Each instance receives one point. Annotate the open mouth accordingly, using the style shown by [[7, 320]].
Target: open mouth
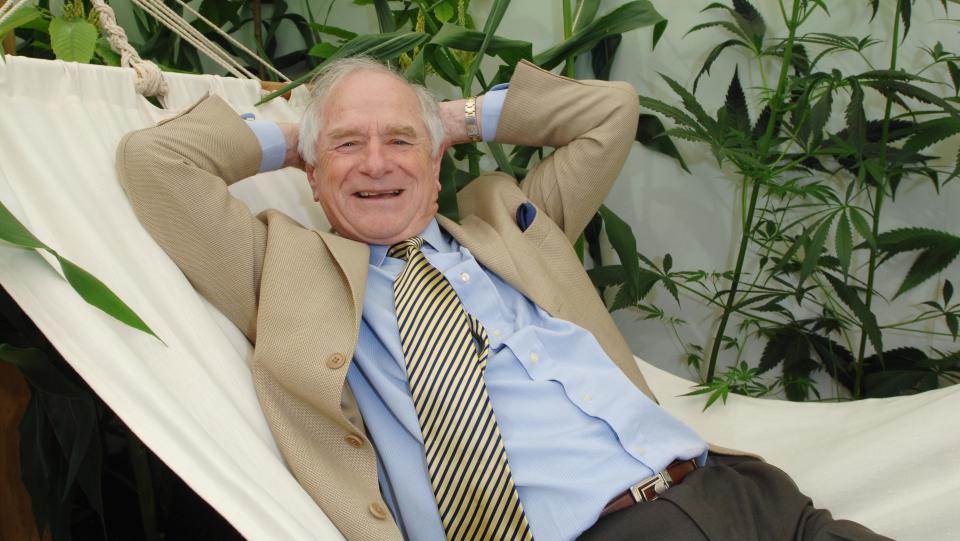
[[382, 194]]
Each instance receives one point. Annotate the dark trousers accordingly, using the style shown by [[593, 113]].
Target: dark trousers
[[731, 499]]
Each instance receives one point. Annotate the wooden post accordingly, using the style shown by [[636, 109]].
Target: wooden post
[[16, 518]]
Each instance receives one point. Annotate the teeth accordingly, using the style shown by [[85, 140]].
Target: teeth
[[371, 194]]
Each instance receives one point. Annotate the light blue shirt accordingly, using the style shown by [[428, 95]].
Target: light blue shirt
[[577, 432]]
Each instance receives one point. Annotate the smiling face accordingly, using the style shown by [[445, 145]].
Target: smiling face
[[374, 174]]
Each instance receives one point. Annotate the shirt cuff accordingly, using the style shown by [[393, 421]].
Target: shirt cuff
[[490, 114], [273, 146]]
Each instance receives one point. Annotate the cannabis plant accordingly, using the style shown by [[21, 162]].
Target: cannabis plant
[[810, 242]]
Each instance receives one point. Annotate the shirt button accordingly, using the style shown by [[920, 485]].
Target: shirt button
[[336, 361], [496, 332], [464, 277], [587, 397], [377, 510], [534, 357], [354, 441]]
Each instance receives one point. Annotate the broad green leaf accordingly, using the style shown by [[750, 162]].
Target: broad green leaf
[[14, 232], [74, 40], [19, 18], [384, 16], [868, 320], [99, 295], [444, 12], [457, 37], [490, 26], [323, 50], [625, 18], [606, 276], [601, 56], [106, 54], [844, 243], [947, 292], [335, 31], [625, 244], [378, 46], [584, 14]]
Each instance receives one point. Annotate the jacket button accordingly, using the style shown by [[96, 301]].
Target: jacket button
[[335, 361], [354, 441], [377, 510]]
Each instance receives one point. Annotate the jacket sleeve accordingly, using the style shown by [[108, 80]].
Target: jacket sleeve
[[176, 176], [591, 124]]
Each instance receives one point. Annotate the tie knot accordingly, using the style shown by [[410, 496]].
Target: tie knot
[[402, 249]]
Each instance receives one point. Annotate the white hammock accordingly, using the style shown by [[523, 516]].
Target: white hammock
[[892, 464]]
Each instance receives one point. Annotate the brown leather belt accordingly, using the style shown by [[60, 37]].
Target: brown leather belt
[[650, 488]]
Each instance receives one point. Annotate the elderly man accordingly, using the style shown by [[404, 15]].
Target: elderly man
[[430, 379]]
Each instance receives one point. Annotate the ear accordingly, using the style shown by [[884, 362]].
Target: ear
[[313, 180], [437, 161]]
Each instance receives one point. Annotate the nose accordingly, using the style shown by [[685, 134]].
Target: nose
[[375, 162]]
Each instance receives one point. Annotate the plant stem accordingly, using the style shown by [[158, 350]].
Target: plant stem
[[878, 204], [775, 106], [257, 11]]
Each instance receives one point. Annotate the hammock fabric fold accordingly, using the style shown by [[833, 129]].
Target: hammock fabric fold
[[892, 464]]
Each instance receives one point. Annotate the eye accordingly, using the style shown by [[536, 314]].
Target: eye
[[400, 142], [347, 144]]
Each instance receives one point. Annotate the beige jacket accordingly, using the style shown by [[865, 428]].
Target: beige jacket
[[298, 293]]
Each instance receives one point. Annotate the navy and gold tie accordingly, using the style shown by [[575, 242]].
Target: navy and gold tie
[[446, 350]]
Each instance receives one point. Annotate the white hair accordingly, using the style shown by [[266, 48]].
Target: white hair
[[327, 79]]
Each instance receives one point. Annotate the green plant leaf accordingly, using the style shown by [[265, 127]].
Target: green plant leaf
[[954, 76], [928, 133], [651, 134], [457, 37], [490, 26], [868, 320], [625, 18], [735, 106], [20, 17], [860, 223], [14, 232], [323, 50], [448, 188], [749, 19], [820, 114], [106, 54], [92, 290], [813, 250], [844, 243], [74, 40], [939, 249], [856, 118], [501, 158], [625, 244], [947, 292], [712, 57], [584, 14], [951, 320], [378, 46], [602, 54], [384, 16], [444, 12]]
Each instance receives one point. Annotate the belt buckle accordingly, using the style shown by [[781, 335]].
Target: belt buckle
[[642, 492]]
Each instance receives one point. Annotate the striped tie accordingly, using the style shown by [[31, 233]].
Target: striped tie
[[446, 352]]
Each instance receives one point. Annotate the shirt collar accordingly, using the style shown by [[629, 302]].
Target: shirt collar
[[432, 236]]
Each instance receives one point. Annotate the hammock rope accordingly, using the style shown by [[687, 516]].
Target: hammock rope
[[150, 81]]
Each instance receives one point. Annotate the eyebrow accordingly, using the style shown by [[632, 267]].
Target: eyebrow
[[406, 131]]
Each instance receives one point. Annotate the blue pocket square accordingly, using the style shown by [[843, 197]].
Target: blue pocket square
[[525, 215]]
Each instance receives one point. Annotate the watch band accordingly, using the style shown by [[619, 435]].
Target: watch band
[[470, 118]]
